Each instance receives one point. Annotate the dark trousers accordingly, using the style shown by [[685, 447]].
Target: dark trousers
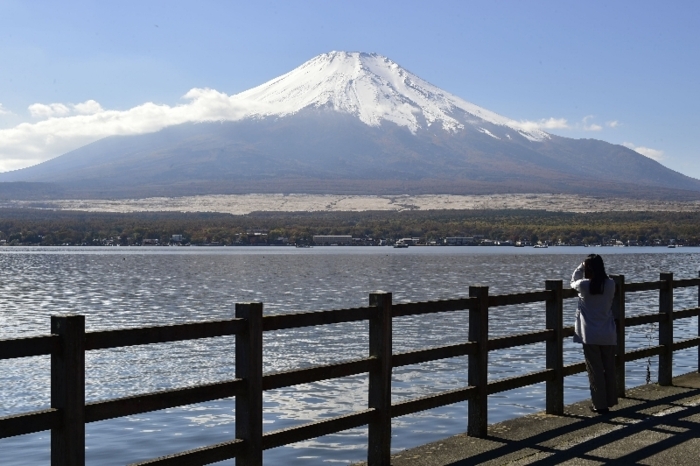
[[600, 364]]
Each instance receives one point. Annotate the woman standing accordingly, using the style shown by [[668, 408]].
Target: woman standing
[[595, 328]]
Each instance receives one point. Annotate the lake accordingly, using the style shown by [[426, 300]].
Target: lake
[[128, 287]]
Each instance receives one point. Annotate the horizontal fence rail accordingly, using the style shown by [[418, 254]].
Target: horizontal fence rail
[[28, 423], [128, 406], [25, 347], [311, 319], [161, 334], [431, 307], [68, 342]]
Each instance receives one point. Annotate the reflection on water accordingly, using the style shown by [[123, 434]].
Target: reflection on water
[[129, 287]]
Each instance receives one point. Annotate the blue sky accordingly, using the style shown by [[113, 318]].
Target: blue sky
[[624, 72]]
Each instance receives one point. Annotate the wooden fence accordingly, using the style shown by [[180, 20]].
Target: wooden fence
[[68, 342]]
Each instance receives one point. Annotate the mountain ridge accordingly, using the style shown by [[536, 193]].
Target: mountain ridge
[[359, 123]]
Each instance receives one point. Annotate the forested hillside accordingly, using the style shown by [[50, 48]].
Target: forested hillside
[[44, 227]]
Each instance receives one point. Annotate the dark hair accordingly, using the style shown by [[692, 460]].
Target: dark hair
[[596, 270]]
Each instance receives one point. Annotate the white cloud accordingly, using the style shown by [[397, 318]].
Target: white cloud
[[67, 127], [586, 124], [48, 111], [555, 123], [653, 154], [590, 126], [4, 111], [89, 107], [550, 123]]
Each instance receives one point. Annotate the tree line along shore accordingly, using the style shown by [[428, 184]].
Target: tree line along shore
[[34, 227]]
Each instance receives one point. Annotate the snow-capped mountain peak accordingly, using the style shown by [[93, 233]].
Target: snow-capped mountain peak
[[374, 89]]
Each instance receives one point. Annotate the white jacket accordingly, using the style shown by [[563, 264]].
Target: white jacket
[[595, 324]]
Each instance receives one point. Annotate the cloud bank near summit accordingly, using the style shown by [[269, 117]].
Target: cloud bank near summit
[[64, 127]]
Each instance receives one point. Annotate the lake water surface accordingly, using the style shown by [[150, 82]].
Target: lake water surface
[[131, 287]]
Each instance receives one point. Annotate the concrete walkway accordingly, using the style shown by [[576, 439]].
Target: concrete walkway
[[653, 425]]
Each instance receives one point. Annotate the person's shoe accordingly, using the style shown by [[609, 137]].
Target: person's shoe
[[599, 411]]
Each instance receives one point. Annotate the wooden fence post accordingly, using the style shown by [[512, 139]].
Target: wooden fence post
[[619, 309], [68, 391], [555, 347], [666, 330], [478, 362], [249, 405], [379, 399]]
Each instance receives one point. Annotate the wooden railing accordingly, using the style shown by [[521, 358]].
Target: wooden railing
[[68, 343]]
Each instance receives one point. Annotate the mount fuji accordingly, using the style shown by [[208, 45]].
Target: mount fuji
[[350, 123]]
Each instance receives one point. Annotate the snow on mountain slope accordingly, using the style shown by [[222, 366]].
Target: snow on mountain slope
[[372, 88]]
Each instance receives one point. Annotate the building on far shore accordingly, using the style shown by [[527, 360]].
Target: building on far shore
[[460, 241], [332, 240], [409, 241]]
